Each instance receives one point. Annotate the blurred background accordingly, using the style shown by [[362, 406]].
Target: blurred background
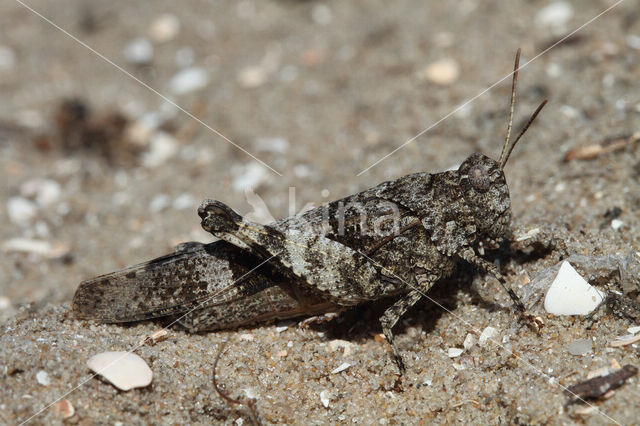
[[99, 170]]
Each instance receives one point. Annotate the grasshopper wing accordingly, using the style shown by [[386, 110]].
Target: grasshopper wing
[[172, 284]]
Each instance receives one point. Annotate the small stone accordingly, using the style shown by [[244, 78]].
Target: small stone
[[250, 175], [617, 224], [21, 211], [7, 59], [5, 303], [454, 352], [555, 15], [321, 14], [155, 337], [37, 247], [634, 330], [633, 41], [442, 72], [570, 294], [337, 343], [162, 147], [159, 203], [488, 335], [45, 191], [124, 370], [324, 398], [189, 80], [252, 77], [139, 51], [65, 409], [247, 337], [469, 341], [281, 329], [283, 353], [164, 28], [580, 347], [184, 201], [277, 145], [341, 368], [43, 378]]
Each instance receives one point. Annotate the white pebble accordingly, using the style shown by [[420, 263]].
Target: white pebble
[[43, 378], [252, 77], [189, 80], [321, 14], [20, 210], [324, 398], [555, 15], [616, 224], [281, 328], [139, 51], [162, 147], [184, 201], [337, 343], [633, 330], [469, 341], [26, 245], [570, 294], [5, 303], [49, 193], [124, 370], [247, 337], [164, 28], [633, 41], [278, 145], [341, 368], [159, 203], [442, 72], [250, 175], [487, 336], [7, 59], [454, 352]]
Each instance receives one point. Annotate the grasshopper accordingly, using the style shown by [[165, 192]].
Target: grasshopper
[[396, 239]]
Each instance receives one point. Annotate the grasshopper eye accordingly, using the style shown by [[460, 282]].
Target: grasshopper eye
[[479, 178]]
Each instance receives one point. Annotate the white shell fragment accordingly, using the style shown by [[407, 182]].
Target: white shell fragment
[[469, 341], [454, 352], [570, 294], [487, 336], [341, 368], [124, 370], [324, 398], [43, 378]]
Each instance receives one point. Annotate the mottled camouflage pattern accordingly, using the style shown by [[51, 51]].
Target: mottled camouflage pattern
[[396, 239]]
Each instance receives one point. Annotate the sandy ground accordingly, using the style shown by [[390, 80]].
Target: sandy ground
[[319, 91]]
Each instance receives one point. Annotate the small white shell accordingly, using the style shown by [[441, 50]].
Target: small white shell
[[124, 370]]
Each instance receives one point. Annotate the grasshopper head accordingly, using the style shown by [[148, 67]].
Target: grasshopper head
[[485, 187], [218, 218], [487, 195]]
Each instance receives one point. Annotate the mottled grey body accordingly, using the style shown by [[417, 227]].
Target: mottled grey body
[[396, 239]]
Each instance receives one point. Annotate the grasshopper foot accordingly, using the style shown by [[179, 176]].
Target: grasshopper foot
[[391, 317]]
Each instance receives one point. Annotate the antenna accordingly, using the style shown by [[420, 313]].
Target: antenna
[[516, 67], [507, 149], [524, 129]]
